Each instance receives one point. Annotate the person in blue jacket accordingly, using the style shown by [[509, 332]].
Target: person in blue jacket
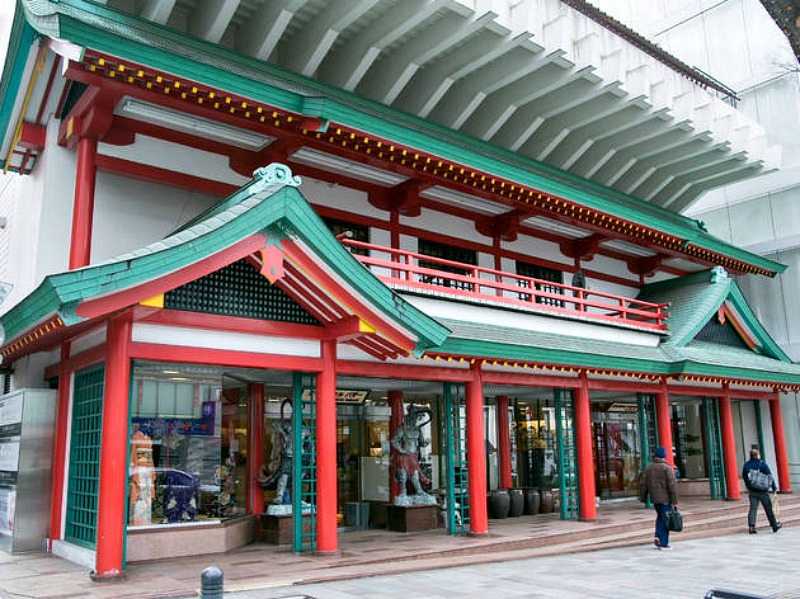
[[757, 495]]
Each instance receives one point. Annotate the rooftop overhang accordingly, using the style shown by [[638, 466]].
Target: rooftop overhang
[[146, 75]]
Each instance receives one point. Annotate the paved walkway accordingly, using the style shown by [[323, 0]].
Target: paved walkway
[[763, 565], [266, 571]]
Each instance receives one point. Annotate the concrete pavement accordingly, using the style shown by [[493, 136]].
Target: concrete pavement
[[519, 557], [765, 565]]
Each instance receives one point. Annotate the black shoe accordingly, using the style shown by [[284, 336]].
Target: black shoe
[[777, 527], [752, 530]]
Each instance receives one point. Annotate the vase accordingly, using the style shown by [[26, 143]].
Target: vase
[[546, 504], [532, 500], [499, 504], [516, 503]]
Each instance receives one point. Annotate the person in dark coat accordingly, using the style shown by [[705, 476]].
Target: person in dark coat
[[757, 495], [658, 481]]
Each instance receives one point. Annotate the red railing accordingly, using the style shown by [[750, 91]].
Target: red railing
[[407, 271]]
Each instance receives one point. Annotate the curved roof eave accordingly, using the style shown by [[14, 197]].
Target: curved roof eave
[[106, 30], [248, 213], [670, 364]]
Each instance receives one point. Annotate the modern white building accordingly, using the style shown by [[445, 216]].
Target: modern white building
[[738, 43]]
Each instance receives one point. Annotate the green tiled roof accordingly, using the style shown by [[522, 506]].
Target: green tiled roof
[[94, 26], [259, 205], [694, 300]]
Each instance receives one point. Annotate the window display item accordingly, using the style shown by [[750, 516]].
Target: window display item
[[406, 444], [141, 481]]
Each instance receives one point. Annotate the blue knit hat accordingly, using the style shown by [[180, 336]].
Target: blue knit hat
[[661, 452]]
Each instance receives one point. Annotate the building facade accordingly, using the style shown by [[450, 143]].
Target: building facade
[[757, 59], [261, 255]]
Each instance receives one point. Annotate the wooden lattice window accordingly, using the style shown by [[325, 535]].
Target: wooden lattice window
[[534, 271], [356, 233], [446, 252]]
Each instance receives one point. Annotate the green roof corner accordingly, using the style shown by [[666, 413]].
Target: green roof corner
[[695, 299]]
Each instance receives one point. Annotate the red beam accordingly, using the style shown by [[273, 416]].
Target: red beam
[[222, 357], [153, 174], [235, 324]]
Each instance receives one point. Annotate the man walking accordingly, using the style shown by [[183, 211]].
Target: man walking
[[759, 493], [658, 481]]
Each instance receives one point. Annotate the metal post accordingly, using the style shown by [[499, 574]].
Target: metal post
[[211, 583]]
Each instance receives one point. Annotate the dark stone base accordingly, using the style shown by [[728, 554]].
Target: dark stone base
[[278, 530], [412, 518]]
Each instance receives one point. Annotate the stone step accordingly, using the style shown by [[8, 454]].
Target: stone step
[[728, 517]]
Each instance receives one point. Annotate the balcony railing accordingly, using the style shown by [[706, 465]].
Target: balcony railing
[[407, 271]]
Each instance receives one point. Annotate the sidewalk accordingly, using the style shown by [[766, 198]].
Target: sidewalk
[[375, 552]]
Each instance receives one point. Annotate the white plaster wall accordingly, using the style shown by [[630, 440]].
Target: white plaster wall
[[130, 214]]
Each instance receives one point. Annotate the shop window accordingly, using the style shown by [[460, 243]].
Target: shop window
[[187, 446], [535, 437], [356, 233], [452, 254], [688, 437], [534, 271], [616, 447]]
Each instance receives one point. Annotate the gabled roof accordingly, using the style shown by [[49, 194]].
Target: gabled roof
[[695, 299], [90, 25], [267, 219]]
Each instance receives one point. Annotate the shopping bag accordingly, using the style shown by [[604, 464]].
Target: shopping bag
[[776, 506], [673, 520], [760, 481]]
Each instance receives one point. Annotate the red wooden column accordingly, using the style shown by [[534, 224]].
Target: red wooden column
[[503, 442], [255, 448], [111, 512], [60, 446], [583, 445], [476, 454], [664, 424], [781, 461], [83, 203], [326, 450], [395, 420], [728, 444]]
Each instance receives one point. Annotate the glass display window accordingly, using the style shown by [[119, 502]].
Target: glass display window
[[535, 439], [187, 446], [688, 437], [616, 447]]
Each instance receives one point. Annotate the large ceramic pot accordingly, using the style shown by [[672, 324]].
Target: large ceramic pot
[[532, 500], [516, 503], [499, 504], [547, 503]]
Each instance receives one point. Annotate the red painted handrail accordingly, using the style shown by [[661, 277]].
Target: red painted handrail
[[403, 270]]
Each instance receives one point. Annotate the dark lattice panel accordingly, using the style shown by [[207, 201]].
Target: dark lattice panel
[[238, 290], [721, 334], [446, 252], [356, 233], [84, 457], [544, 274]]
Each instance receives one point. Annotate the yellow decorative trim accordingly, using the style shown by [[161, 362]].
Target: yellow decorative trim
[[154, 302]]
